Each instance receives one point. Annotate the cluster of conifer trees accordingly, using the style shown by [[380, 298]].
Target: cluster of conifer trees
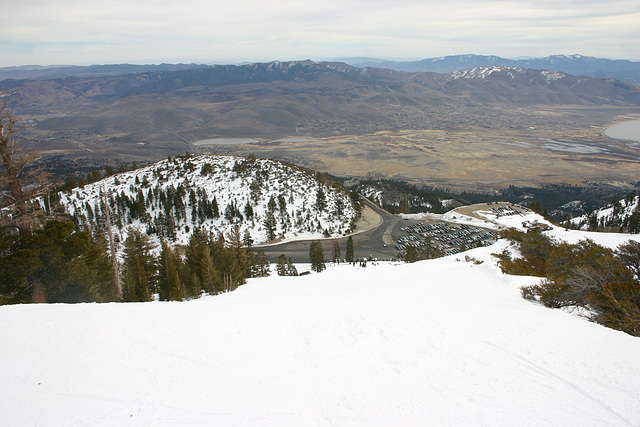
[[61, 264], [163, 208]]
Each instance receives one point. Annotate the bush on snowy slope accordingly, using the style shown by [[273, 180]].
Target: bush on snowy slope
[[600, 281], [170, 199]]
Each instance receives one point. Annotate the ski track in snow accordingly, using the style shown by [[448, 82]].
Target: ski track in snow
[[564, 381]]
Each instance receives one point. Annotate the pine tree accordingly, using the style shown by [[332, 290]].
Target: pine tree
[[404, 206], [316, 256], [247, 240], [321, 201], [261, 265], [23, 187], [335, 251], [349, 253], [248, 211], [271, 205], [215, 212], [270, 225], [169, 284], [281, 266], [291, 269], [139, 267], [208, 277], [67, 265], [200, 265], [285, 266]]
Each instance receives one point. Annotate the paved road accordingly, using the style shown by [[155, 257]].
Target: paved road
[[378, 243]]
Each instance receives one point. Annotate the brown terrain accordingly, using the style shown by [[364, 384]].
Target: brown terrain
[[473, 132]]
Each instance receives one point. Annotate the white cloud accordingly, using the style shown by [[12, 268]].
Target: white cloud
[[98, 31]]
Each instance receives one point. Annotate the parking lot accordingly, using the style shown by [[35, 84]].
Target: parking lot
[[446, 237]]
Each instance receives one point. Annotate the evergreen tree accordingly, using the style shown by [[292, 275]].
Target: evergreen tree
[[248, 211], [271, 205], [208, 277], [282, 204], [199, 262], [291, 269], [66, 265], [349, 252], [270, 225], [321, 200], [169, 284], [281, 266], [316, 256], [247, 240], [285, 266], [140, 268], [335, 251], [215, 212], [261, 265], [404, 206]]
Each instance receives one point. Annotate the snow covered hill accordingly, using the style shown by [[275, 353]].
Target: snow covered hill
[[268, 199], [441, 342], [624, 213]]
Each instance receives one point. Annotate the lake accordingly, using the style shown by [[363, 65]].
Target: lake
[[626, 130]]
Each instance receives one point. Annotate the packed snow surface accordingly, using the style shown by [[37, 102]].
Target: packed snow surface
[[440, 343]]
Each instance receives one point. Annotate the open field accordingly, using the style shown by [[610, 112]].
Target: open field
[[558, 145]]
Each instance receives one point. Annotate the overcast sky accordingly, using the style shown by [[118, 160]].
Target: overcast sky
[[86, 32]]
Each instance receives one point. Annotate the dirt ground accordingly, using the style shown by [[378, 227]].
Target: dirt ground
[[570, 148]]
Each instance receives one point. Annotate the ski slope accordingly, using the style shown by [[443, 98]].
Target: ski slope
[[441, 343]]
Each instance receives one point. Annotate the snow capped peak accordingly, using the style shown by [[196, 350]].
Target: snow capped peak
[[483, 72], [553, 75]]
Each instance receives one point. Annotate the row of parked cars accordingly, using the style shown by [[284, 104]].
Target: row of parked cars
[[511, 209], [448, 238]]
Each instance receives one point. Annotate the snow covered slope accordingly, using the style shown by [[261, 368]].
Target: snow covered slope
[[440, 343], [622, 213], [173, 197]]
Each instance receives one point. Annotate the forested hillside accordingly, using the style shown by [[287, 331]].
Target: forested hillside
[[621, 215], [267, 200]]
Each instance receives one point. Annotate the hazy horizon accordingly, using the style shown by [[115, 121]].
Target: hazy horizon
[[157, 31]]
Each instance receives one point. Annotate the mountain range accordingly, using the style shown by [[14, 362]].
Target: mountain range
[[578, 65], [148, 116], [278, 98]]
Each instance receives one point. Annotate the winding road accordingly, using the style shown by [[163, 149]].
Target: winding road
[[376, 242]]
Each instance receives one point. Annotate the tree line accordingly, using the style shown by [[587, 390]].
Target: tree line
[[46, 257], [58, 263]]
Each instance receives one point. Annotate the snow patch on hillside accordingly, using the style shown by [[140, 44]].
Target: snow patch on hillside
[[166, 199], [483, 72]]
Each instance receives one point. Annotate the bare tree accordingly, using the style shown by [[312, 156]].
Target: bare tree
[[22, 187]]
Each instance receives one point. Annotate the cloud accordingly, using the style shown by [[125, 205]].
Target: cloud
[[247, 30]]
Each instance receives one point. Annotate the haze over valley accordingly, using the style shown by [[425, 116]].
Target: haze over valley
[[450, 130]]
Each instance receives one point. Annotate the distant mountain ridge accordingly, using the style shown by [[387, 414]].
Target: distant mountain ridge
[[150, 115], [578, 65], [39, 72]]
